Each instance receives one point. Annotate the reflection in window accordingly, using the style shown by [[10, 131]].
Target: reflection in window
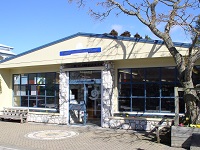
[[152, 74], [124, 89], [167, 90], [152, 89], [32, 78], [36, 90], [17, 90], [124, 75], [168, 74], [148, 89], [138, 75], [152, 104], [24, 78], [167, 105], [124, 104], [16, 79], [85, 74]]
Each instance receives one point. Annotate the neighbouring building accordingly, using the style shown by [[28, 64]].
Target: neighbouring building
[[110, 80], [5, 51]]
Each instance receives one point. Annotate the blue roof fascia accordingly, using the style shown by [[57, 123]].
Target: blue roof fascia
[[176, 44], [105, 36]]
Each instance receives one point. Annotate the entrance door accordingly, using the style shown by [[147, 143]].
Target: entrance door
[[88, 92]]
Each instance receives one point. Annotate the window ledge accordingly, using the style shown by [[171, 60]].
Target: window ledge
[[139, 118], [44, 113]]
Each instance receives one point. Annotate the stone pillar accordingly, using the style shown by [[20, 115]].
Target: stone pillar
[[64, 96], [107, 93]]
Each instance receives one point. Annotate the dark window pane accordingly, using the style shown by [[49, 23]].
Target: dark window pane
[[152, 90], [50, 78], [57, 90], [168, 74], [137, 89], [74, 75], [51, 103], [32, 78], [167, 105], [125, 90], [57, 78], [50, 90], [124, 104], [57, 102], [152, 104], [86, 74], [181, 105], [32, 101], [41, 89], [24, 101], [180, 94], [94, 74], [152, 74], [167, 90], [196, 75], [124, 75], [41, 102], [138, 75], [138, 104]]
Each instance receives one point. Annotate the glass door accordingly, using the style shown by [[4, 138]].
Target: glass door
[[87, 92]]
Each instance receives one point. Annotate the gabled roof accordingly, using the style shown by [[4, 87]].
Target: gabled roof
[[104, 36]]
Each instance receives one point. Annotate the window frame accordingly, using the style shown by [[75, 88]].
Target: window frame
[[34, 95], [145, 82]]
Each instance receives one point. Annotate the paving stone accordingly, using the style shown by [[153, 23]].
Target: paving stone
[[13, 136]]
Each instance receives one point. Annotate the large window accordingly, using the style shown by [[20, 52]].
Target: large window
[[36, 90], [148, 90]]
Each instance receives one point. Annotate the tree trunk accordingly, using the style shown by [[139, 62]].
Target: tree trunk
[[191, 100]]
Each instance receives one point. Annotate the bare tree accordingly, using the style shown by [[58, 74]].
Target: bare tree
[[197, 28], [173, 13]]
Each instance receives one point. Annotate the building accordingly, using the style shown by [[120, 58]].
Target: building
[[5, 51], [101, 75]]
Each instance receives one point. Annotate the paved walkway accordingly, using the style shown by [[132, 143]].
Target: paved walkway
[[32, 136]]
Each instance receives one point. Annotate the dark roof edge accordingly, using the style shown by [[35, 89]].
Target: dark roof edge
[[176, 44]]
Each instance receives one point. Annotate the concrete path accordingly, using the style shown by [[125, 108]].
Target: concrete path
[[32, 136]]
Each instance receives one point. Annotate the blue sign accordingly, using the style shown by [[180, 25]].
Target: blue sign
[[89, 50]]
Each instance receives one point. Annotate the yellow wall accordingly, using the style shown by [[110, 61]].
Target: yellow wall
[[111, 50], [6, 92], [6, 99]]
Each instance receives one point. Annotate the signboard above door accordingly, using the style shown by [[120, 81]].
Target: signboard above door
[[78, 51]]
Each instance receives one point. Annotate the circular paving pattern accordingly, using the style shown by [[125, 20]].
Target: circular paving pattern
[[51, 134]]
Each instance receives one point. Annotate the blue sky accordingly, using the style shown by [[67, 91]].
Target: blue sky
[[27, 24]]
